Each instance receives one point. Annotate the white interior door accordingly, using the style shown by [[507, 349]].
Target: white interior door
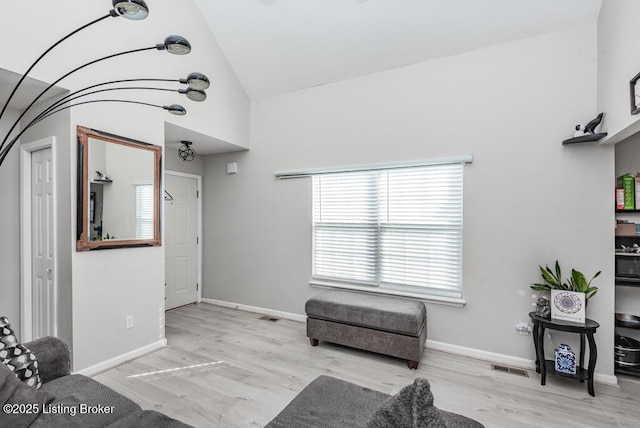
[[43, 291], [181, 240]]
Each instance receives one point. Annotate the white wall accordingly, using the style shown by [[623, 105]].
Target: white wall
[[528, 200], [10, 230], [108, 285], [618, 42]]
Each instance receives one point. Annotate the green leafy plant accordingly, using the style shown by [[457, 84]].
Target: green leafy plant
[[552, 280], [578, 282]]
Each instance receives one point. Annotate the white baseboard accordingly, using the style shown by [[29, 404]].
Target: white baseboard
[[603, 378], [121, 359], [481, 355], [257, 310], [507, 360]]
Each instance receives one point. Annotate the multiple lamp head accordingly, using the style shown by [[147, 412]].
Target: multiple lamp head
[[129, 9]]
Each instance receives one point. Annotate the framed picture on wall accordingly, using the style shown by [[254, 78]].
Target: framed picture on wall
[[634, 90]]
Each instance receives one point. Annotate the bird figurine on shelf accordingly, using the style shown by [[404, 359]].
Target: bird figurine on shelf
[[589, 128], [102, 177]]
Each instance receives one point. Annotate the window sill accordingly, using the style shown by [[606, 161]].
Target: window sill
[[449, 301]]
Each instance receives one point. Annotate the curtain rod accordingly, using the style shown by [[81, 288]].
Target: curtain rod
[[284, 174]]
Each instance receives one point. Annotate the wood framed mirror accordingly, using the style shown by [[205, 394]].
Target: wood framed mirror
[[118, 191]]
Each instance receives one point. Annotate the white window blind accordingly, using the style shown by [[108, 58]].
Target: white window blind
[[399, 228], [144, 211]]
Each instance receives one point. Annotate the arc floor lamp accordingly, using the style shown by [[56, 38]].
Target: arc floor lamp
[[129, 9]]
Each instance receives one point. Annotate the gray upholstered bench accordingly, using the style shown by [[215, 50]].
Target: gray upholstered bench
[[387, 325]]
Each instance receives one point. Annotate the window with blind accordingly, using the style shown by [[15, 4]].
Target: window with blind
[[144, 211], [395, 228]]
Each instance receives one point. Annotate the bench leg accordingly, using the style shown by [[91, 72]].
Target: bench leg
[[412, 364], [314, 342]]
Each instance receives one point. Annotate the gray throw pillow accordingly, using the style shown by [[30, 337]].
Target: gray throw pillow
[[412, 407], [20, 404], [18, 357]]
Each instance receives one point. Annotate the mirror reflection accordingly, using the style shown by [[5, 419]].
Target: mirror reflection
[[120, 182]]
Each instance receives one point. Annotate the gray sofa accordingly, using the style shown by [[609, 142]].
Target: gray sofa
[[73, 400], [328, 402]]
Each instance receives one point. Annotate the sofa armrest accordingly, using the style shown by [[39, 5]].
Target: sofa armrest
[[53, 357]]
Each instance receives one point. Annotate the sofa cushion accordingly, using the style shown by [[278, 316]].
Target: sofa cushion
[[329, 403], [83, 402], [53, 357], [392, 314], [18, 357], [27, 402], [333, 403]]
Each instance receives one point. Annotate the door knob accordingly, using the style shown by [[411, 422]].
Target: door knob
[[49, 270]]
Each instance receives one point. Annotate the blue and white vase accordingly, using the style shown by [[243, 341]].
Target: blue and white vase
[[565, 360]]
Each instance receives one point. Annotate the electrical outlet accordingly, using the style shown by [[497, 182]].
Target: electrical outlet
[[128, 322], [524, 327]]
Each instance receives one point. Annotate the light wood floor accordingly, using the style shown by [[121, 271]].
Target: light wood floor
[[228, 368]]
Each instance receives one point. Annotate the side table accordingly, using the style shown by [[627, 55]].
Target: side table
[[587, 329]]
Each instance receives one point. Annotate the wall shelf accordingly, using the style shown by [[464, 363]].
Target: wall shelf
[[585, 138]]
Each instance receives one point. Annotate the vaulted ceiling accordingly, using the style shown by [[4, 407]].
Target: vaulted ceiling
[[277, 46]]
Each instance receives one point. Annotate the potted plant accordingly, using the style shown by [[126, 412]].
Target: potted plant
[[577, 282], [569, 297]]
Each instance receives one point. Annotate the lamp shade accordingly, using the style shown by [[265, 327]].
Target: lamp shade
[[176, 109], [198, 80], [131, 9], [194, 94], [177, 45]]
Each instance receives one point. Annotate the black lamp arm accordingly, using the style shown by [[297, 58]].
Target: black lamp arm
[[4, 151], [67, 99], [58, 80], [69, 96], [24, 76]]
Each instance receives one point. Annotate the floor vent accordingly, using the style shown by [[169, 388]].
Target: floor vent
[[509, 370], [268, 318]]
